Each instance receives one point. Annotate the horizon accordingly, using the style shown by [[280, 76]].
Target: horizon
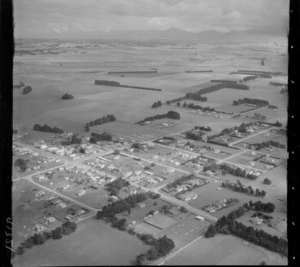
[[52, 18]]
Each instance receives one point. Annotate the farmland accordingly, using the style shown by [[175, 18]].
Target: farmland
[[76, 181], [225, 250]]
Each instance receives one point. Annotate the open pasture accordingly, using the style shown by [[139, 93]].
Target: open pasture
[[93, 243], [265, 137], [225, 250]]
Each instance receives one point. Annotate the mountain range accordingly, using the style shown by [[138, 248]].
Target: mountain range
[[210, 36]]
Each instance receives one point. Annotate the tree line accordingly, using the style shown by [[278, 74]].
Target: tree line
[[47, 129], [194, 135], [169, 115], [259, 146], [66, 228], [160, 248], [229, 225], [97, 137], [157, 104], [236, 171], [239, 187], [102, 120], [121, 205], [253, 101]]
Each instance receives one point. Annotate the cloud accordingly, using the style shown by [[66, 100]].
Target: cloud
[[50, 16]]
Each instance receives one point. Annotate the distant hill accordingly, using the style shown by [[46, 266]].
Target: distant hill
[[210, 36]]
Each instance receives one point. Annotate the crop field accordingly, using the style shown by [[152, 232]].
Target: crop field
[[93, 243], [225, 250]]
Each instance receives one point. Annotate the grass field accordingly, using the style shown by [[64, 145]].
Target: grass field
[[93, 243], [225, 250]]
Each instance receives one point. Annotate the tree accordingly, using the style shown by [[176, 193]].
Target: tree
[[211, 231], [178, 104], [87, 127], [140, 259], [22, 164], [263, 263], [267, 181], [27, 89], [183, 209], [38, 239], [165, 208], [57, 233], [82, 150], [20, 250]]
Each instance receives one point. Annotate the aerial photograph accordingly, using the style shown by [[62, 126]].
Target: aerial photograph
[[150, 132]]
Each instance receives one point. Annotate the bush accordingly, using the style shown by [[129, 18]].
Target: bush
[[267, 181], [27, 89], [47, 129], [67, 96]]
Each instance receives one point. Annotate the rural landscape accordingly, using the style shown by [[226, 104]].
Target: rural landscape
[[150, 147]]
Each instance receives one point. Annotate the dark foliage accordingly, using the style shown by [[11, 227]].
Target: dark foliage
[[170, 115], [67, 96], [27, 89], [47, 129], [102, 120]]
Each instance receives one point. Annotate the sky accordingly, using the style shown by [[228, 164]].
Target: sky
[[47, 17]]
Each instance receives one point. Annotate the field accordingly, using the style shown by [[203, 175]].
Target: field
[[209, 194], [93, 243], [73, 69], [160, 221], [225, 250], [185, 230]]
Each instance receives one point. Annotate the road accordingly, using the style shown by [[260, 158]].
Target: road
[[29, 178], [242, 139], [150, 161]]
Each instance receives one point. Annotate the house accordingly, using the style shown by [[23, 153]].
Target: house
[[174, 211], [187, 196], [141, 205]]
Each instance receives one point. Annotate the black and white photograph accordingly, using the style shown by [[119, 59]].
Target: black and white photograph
[[150, 132]]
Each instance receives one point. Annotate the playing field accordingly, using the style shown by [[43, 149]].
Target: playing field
[[225, 250], [93, 243]]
